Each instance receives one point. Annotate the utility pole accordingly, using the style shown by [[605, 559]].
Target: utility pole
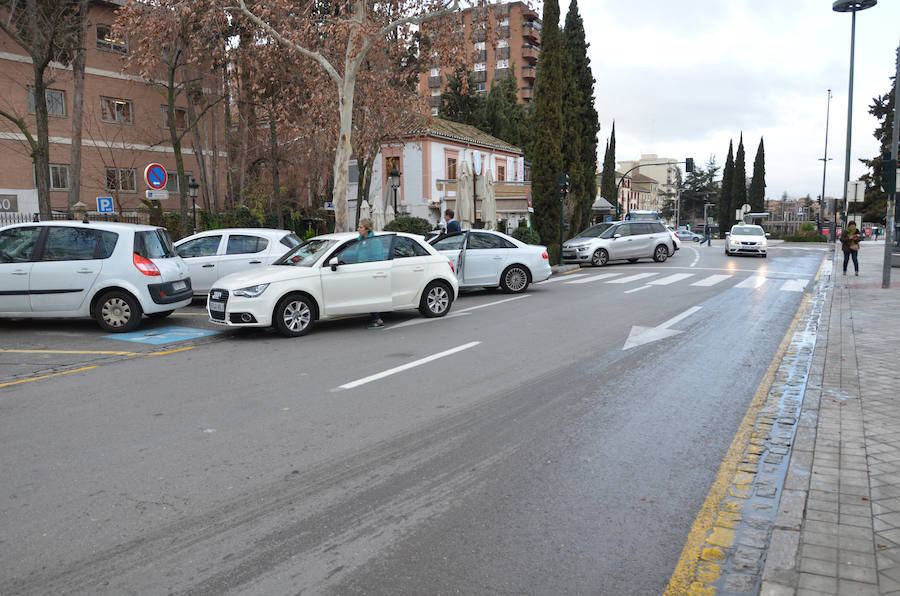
[[824, 161], [891, 192]]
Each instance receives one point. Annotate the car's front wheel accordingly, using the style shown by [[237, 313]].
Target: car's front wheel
[[294, 315], [436, 300], [600, 257], [514, 279], [118, 311], [660, 253]]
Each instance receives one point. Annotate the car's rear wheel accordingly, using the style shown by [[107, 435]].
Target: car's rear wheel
[[660, 253], [514, 279], [294, 315], [160, 315], [600, 257], [436, 300], [695, 239], [118, 311]]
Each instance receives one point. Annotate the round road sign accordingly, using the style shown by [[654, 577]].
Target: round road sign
[[155, 176]]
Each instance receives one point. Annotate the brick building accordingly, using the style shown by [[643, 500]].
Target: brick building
[[124, 129], [518, 32]]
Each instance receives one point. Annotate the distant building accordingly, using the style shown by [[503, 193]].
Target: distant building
[[662, 170], [124, 128], [518, 29]]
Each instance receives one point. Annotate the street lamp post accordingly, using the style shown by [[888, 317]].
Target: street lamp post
[[824, 161], [193, 190], [851, 6], [394, 179]]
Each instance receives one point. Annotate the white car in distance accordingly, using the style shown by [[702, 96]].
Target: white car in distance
[[215, 253], [745, 239], [336, 275], [488, 259]]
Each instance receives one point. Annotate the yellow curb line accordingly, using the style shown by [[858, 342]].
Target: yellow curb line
[[821, 269], [573, 271], [686, 569], [98, 353], [65, 372]]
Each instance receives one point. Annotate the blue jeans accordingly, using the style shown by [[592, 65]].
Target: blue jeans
[[847, 256], [707, 240]]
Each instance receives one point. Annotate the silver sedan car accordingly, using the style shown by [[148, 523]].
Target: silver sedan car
[[621, 240]]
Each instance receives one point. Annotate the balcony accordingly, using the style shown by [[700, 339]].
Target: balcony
[[502, 53], [479, 56], [531, 32], [479, 36], [434, 101], [503, 32], [434, 82], [530, 53], [526, 93], [500, 73], [528, 73], [480, 76]]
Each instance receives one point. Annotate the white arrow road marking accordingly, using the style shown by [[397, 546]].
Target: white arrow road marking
[[407, 366], [631, 278], [561, 278], [594, 278], [794, 285], [711, 280], [645, 335], [752, 282], [670, 279]]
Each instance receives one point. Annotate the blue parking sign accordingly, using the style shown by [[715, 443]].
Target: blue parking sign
[[105, 205]]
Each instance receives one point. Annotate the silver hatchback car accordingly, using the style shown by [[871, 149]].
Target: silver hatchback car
[[621, 240]]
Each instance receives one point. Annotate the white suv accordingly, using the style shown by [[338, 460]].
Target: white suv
[[111, 272]]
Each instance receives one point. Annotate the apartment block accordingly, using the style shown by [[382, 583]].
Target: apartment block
[[124, 129], [517, 30]]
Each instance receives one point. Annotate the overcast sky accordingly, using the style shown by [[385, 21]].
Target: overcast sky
[[682, 78]]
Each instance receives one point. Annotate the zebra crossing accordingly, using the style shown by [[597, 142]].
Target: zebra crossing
[[645, 280]]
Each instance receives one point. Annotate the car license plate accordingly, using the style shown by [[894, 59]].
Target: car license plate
[[179, 285], [216, 306]]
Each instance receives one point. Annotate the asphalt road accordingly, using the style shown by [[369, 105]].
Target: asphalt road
[[519, 445]]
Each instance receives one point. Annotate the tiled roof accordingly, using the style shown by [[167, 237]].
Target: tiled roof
[[454, 131]]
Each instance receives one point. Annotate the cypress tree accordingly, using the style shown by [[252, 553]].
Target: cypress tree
[[739, 182], [758, 182], [576, 48], [725, 212], [608, 174], [546, 152]]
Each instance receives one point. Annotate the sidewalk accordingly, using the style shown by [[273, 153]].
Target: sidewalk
[[837, 527]]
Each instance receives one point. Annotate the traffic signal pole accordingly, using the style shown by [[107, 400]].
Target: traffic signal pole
[[891, 189]]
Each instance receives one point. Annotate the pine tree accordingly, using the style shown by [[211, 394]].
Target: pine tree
[[503, 116], [546, 151], [725, 212], [739, 181], [874, 208], [757, 195], [608, 174], [584, 183], [461, 105]]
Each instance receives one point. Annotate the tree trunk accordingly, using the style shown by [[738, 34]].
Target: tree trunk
[[215, 158], [273, 156], [344, 151], [171, 95], [78, 103], [40, 153]]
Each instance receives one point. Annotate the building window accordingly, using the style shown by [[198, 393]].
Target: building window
[[180, 117], [59, 177], [172, 180], [116, 110], [480, 88], [56, 101], [121, 179], [451, 168], [107, 42], [501, 173]]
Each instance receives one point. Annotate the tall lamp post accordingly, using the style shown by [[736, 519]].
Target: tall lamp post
[[193, 190], [851, 6], [394, 180], [824, 161]]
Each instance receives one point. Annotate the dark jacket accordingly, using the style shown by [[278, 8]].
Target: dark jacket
[[847, 240], [453, 226]]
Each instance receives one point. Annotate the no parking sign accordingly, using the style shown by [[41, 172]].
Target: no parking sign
[[155, 176]]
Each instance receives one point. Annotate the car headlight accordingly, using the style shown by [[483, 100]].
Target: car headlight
[[252, 291]]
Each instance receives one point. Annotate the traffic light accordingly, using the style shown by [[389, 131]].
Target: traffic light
[[888, 174], [563, 184], [689, 165]]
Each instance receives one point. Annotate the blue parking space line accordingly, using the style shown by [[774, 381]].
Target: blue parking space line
[[163, 335]]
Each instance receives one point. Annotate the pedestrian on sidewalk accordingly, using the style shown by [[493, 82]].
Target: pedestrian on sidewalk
[[707, 236], [367, 253], [850, 246]]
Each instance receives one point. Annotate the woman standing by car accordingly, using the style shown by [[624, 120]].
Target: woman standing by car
[[850, 246]]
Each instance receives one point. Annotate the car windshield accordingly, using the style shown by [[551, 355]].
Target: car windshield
[[594, 231], [747, 232], [307, 253]]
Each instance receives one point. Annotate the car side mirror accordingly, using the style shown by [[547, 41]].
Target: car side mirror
[[617, 236], [727, 234], [333, 263], [768, 235]]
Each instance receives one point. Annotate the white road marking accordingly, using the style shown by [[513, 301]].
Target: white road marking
[[423, 320], [594, 278], [752, 282], [636, 289], [407, 366], [493, 303], [631, 278], [678, 318], [561, 278], [711, 280], [643, 335], [696, 256], [794, 285], [670, 279]]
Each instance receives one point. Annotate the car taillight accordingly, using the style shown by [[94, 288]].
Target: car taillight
[[544, 255], [145, 265]]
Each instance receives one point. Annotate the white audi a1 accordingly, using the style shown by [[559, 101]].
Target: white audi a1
[[336, 275]]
